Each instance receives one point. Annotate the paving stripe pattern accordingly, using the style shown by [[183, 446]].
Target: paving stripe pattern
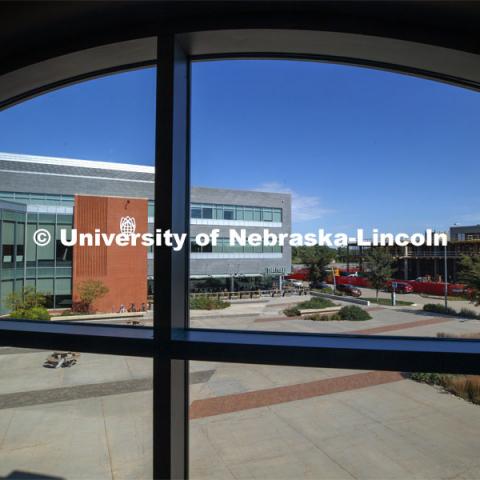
[[263, 398], [223, 404], [400, 326], [65, 394]]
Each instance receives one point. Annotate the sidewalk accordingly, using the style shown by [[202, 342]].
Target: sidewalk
[[246, 308], [234, 310]]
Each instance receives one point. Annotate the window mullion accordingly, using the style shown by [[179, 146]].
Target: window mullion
[[170, 430]]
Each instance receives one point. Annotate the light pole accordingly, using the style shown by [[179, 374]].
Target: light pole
[[445, 283], [334, 281]]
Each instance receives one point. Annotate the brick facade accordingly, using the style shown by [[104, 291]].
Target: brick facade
[[122, 269]]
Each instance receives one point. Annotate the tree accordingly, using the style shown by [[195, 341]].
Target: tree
[[27, 305], [317, 259], [379, 264], [470, 276], [25, 300], [90, 291]]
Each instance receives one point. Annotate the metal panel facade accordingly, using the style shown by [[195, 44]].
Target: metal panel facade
[[55, 177]]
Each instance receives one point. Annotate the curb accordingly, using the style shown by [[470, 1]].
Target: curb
[[357, 301]]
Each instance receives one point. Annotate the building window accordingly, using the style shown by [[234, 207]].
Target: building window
[[20, 254], [151, 209], [8, 241], [228, 214], [63, 253], [46, 254], [223, 246], [7, 256], [248, 214], [236, 212], [207, 212], [267, 215], [196, 212], [195, 247]]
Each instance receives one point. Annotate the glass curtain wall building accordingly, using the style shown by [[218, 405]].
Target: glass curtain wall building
[[48, 203], [23, 264]]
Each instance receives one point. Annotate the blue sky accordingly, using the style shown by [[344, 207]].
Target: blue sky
[[355, 147]]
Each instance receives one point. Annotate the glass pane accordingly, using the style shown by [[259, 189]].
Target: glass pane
[[89, 192], [63, 286], [47, 252], [8, 233], [20, 234], [248, 214], [6, 289], [347, 230], [277, 215], [260, 421], [151, 209], [207, 212], [267, 215], [228, 213], [20, 252], [74, 415], [196, 212]]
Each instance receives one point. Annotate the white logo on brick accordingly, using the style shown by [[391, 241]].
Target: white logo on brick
[[127, 225]]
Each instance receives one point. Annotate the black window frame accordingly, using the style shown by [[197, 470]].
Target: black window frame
[[171, 343]]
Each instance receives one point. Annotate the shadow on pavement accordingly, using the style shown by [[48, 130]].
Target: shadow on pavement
[[21, 475]]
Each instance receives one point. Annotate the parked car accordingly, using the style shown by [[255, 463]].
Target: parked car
[[320, 285], [349, 290], [401, 287], [291, 282]]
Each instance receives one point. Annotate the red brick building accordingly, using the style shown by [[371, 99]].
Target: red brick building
[[122, 269]]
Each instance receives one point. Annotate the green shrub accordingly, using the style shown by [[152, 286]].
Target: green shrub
[[318, 317], [38, 313], [17, 314], [316, 302], [439, 308], [292, 312], [352, 313], [464, 386], [25, 299], [89, 291], [34, 313], [467, 313], [207, 303], [430, 378]]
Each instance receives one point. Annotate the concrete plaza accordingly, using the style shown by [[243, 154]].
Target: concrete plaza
[[93, 420]]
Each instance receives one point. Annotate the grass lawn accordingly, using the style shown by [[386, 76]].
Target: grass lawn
[[207, 303], [450, 298], [314, 302], [388, 301], [351, 312]]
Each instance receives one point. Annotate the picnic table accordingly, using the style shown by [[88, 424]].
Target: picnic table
[[61, 360]]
